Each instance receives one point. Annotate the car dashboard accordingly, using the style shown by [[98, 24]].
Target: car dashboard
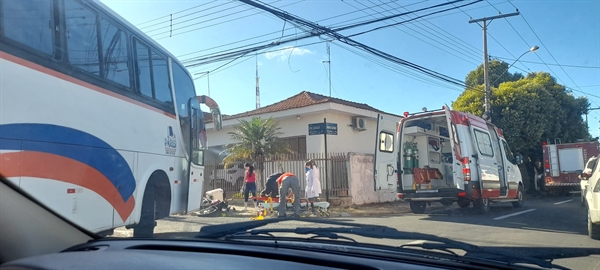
[[197, 254]]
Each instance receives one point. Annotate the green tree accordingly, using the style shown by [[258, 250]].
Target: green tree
[[498, 73], [530, 110], [254, 139]]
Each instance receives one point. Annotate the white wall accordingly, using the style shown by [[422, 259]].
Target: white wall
[[362, 191], [347, 139]]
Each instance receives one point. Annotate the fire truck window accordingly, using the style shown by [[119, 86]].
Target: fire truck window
[[484, 143], [386, 142]]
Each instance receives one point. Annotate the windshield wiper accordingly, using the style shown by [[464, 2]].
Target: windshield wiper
[[370, 231]]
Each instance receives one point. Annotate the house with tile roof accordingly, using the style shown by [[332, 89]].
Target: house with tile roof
[[356, 124], [350, 179]]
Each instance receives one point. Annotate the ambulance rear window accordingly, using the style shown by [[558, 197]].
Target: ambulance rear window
[[484, 143]]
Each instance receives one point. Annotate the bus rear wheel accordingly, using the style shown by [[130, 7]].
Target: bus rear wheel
[[145, 229]]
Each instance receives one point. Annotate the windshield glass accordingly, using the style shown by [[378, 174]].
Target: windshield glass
[[469, 120]]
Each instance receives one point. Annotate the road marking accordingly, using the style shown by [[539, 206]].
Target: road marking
[[514, 214], [563, 201]]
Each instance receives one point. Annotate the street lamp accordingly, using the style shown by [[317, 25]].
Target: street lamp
[[533, 49]]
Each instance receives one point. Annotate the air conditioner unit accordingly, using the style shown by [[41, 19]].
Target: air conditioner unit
[[359, 123]]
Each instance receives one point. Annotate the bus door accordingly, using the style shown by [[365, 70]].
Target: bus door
[[196, 156]]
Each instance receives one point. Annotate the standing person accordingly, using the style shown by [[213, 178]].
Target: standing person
[[313, 186], [250, 184], [286, 181], [539, 176]]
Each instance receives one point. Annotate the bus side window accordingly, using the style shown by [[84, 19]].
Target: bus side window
[[160, 74], [29, 22], [114, 53], [143, 67], [82, 37]]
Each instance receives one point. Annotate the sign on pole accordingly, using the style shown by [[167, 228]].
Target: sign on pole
[[322, 128], [325, 129]]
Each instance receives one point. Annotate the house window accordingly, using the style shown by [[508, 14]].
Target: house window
[[296, 144]]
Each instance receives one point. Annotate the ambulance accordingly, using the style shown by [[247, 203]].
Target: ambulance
[[447, 156]]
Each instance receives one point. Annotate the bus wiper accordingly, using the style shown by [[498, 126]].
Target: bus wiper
[[370, 231]]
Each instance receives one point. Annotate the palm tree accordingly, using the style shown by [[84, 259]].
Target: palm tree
[[255, 140]]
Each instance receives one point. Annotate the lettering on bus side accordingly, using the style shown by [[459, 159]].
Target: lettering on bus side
[[170, 142]]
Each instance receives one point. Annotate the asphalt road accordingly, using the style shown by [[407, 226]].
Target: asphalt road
[[544, 225]]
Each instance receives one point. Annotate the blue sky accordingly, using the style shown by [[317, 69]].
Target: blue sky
[[567, 32]]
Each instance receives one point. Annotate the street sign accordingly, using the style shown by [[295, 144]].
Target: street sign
[[319, 129], [331, 129]]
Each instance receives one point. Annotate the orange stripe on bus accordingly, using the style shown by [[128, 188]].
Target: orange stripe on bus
[[65, 77], [59, 168]]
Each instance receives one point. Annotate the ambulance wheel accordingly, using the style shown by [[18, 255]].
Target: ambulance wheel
[[519, 203], [418, 207], [463, 203], [446, 202], [482, 205]]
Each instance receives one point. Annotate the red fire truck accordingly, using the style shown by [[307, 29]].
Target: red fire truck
[[563, 162]]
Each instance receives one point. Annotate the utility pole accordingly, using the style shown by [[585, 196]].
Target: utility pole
[[486, 80], [587, 125], [329, 63]]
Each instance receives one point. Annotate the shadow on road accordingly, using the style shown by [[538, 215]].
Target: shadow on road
[[564, 218]]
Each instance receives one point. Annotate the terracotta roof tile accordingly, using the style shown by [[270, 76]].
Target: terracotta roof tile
[[303, 99]]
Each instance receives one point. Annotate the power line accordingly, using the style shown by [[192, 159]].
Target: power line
[[421, 16], [319, 21], [532, 62], [170, 20], [545, 47], [275, 32], [201, 22], [502, 46], [551, 55], [399, 29], [315, 31], [453, 38], [393, 68], [167, 16], [320, 30], [234, 19]]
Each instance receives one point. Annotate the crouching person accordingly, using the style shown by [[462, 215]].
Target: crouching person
[[286, 182]]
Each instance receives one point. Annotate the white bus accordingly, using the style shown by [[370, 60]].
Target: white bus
[[97, 121]]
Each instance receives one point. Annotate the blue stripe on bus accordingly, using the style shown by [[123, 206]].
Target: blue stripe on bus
[[73, 144]]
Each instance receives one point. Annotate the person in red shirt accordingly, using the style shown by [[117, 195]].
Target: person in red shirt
[[286, 182], [250, 184]]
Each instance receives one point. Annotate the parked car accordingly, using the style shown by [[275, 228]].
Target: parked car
[[592, 201], [585, 175]]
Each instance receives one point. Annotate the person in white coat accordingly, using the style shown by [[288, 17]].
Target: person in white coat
[[313, 183]]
